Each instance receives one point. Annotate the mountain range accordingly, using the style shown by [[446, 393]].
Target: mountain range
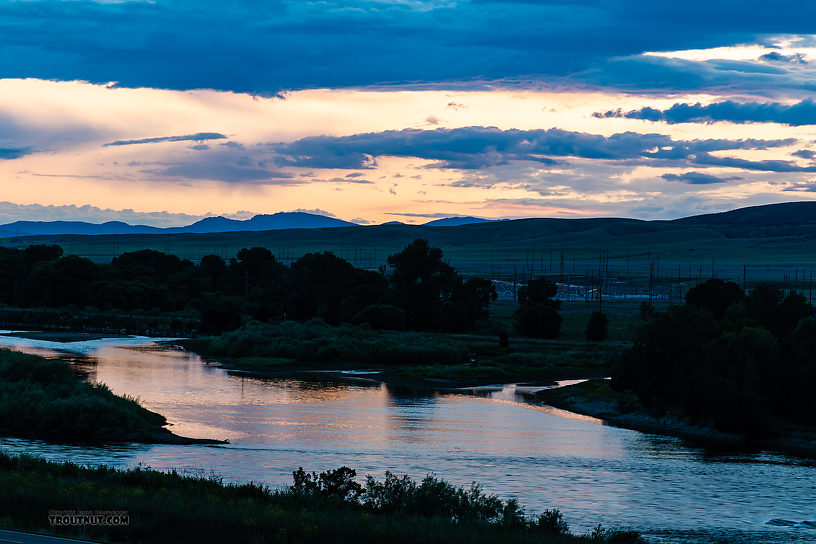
[[790, 214], [276, 221]]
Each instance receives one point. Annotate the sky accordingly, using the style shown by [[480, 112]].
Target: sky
[[166, 111]]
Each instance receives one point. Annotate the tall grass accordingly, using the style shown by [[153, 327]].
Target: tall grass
[[314, 341], [45, 399]]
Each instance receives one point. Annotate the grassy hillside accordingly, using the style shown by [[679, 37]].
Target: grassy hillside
[[773, 241]]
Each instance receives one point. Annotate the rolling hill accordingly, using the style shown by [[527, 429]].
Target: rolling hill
[[771, 241]]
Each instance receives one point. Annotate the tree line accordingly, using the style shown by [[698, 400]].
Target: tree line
[[418, 290], [740, 361]]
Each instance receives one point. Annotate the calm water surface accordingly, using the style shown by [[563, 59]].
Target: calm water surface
[[545, 457]]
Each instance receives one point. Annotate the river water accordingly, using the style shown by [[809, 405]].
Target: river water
[[545, 457]]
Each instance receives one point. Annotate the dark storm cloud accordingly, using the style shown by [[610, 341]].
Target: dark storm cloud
[[197, 137], [706, 159], [264, 47], [227, 173], [478, 147], [697, 178], [775, 56], [799, 114], [802, 187]]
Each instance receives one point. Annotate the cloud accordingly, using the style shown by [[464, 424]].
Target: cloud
[[802, 187], [804, 153], [315, 211], [470, 148], [350, 180], [10, 212], [9, 153], [799, 114], [775, 56], [697, 178], [221, 172], [762, 166], [434, 215], [370, 42], [197, 137]]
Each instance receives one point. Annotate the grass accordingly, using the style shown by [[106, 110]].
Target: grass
[[45, 399], [466, 359], [541, 362], [316, 342], [624, 317], [89, 319], [591, 391], [169, 507]]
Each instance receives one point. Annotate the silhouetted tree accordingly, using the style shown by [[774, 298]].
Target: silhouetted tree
[[421, 281], [597, 327], [715, 295], [537, 315]]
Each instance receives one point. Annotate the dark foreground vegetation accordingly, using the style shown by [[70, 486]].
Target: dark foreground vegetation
[[45, 399], [742, 363], [330, 507]]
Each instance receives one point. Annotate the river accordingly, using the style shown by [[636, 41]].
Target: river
[[547, 458]]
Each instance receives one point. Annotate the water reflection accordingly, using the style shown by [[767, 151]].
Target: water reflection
[[549, 458]]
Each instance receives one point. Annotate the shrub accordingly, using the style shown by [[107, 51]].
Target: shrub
[[551, 521], [381, 316]]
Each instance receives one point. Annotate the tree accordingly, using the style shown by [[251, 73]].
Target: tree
[[537, 315], [421, 281], [598, 327], [715, 295], [381, 316]]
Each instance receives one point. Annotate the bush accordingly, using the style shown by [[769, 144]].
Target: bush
[[315, 341], [381, 316], [551, 521]]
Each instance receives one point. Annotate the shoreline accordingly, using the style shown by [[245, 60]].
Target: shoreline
[[620, 409]]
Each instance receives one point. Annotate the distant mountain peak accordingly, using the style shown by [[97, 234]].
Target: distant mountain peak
[[457, 221]]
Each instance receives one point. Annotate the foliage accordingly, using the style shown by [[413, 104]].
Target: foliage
[[551, 521], [597, 327], [715, 295], [538, 320], [316, 341], [739, 368], [381, 316], [217, 512], [42, 398], [254, 284], [537, 315]]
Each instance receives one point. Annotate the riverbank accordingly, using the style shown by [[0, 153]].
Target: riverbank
[[430, 360], [596, 398], [44, 399], [144, 505]]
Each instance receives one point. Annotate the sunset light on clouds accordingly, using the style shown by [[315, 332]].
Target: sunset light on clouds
[[381, 111]]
